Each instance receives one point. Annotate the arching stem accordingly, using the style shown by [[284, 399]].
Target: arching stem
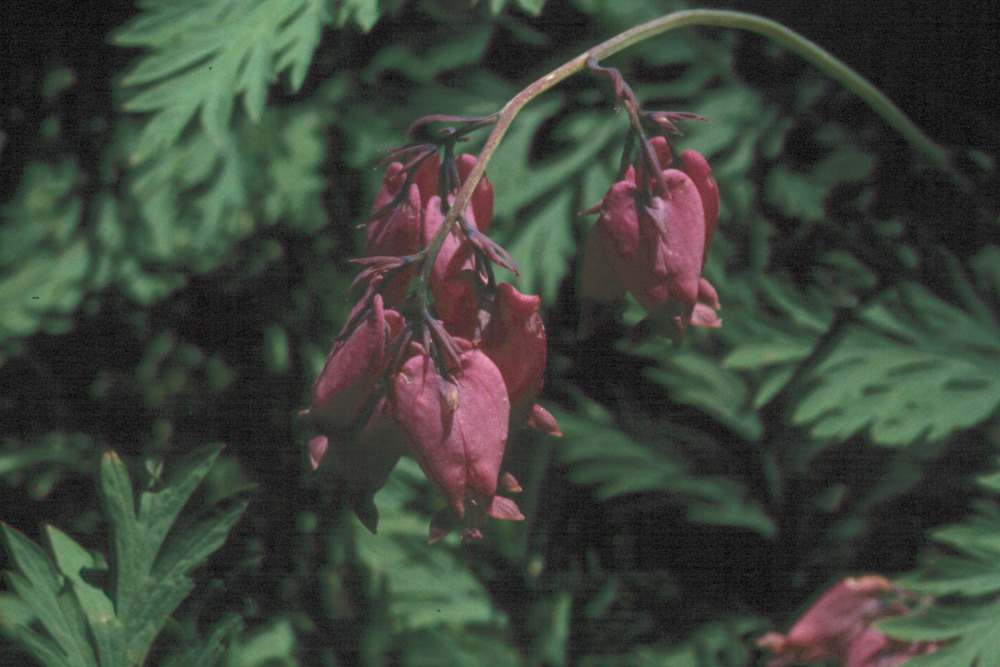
[[824, 61]]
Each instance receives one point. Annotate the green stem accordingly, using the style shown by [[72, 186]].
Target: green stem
[[791, 40]]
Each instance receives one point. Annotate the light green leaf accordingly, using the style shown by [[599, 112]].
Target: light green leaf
[[919, 369], [972, 632], [202, 55], [364, 12], [39, 585], [272, 644], [532, 7], [72, 560]]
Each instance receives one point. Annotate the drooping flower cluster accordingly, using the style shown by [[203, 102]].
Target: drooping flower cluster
[[839, 626], [448, 386], [652, 239], [439, 360]]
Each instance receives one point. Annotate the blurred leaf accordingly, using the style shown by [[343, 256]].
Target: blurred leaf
[[803, 195], [551, 644], [364, 12], [294, 183], [720, 644], [273, 644], [917, 368], [427, 585], [600, 455], [209, 652], [201, 55], [44, 259], [697, 380], [469, 647]]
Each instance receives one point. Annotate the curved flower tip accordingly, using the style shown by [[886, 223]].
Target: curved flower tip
[[505, 508], [470, 535], [542, 420], [317, 449], [508, 484]]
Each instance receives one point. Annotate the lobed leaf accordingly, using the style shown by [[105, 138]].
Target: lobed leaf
[[917, 368], [201, 55], [600, 455], [39, 585]]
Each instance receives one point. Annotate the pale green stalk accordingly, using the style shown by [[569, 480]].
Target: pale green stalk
[[791, 40]]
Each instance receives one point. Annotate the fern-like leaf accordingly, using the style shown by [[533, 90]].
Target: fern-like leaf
[[600, 455], [918, 368], [967, 574], [202, 54]]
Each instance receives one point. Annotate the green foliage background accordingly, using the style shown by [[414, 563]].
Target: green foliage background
[[182, 188]]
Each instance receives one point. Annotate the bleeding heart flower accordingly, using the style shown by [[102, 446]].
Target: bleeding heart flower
[[838, 626], [360, 463], [396, 225], [451, 283], [343, 394], [455, 426], [653, 243]]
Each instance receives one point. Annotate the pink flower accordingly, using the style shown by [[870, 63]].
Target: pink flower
[[356, 433], [401, 224], [360, 464], [838, 626], [346, 386], [452, 277], [391, 385], [655, 246], [455, 426], [872, 648], [514, 339], [836, 618], [397, 223]]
